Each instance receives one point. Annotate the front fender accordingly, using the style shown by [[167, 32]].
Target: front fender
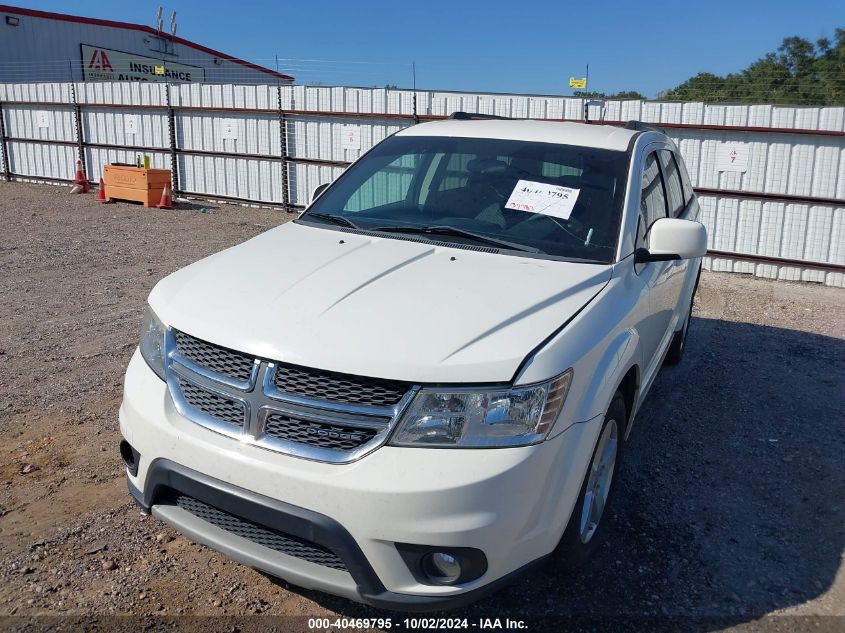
[[621, 354]]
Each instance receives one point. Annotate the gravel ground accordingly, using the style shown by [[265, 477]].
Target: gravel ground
[[730, 507]]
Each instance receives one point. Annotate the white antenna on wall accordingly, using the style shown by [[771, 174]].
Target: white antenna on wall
[[173, 24], [158, 19]]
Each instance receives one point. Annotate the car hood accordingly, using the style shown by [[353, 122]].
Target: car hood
[[376, 306]]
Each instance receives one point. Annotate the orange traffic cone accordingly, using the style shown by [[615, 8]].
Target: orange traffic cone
[[80, 179], [166, 201], [101, 192]]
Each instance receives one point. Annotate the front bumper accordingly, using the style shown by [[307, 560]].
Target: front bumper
[[512, 504], [360, 583]]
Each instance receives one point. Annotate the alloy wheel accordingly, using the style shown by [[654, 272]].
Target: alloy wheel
[[600, 479]]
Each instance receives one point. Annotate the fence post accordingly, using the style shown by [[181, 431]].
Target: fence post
[[80, 141], [171, 128], [5, 149], [283, 144]]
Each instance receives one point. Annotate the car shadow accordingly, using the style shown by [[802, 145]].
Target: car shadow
[[730, 499]]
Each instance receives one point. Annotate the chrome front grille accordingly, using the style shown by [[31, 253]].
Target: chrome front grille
[[334, 436], [335, 387], [214, 358], [214, 404], [305, 412]]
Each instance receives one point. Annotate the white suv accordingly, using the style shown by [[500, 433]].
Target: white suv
[[421, 386]]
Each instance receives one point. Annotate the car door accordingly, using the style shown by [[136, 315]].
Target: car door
[[674, 301], [682, 204], [658, 277]]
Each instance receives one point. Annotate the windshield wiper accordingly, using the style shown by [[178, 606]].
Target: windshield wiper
[[334, 219], [455, 232]]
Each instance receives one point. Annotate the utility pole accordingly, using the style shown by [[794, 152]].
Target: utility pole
[[584, 95], [414, 71]]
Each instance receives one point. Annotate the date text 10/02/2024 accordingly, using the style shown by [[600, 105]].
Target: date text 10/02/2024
[[417, 623]]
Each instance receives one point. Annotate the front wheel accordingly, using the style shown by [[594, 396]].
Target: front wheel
[[586, 527]]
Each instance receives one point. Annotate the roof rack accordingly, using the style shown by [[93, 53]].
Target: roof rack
[[472, 116], [639, 126]]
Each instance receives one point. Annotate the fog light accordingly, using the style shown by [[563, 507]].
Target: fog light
[[130, 457], [443, 565], [442, 568]]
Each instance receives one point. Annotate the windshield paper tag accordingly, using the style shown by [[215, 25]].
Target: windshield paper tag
[[538, 197]]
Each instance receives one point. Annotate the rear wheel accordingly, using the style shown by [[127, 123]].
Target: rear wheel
[[679, 342], [586, 528]]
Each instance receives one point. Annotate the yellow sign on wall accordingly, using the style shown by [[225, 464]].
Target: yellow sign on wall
[[159, 70], [578, 83]]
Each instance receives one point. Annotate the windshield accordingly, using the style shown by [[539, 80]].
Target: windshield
[[558, 200]]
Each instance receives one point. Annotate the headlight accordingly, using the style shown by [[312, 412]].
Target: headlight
[[152, 342], [482, 417]]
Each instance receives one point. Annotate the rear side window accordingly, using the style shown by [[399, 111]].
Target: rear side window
[[456, 174], [672, 180], [685, 181], [389, 186], [653, 201]]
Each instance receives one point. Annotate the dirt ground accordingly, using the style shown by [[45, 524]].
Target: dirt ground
[[731, 505]]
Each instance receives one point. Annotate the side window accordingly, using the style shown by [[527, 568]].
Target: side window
[[653, 200], [388, 186], [456, 174], [685, 181], [555, 170], [672, 180]]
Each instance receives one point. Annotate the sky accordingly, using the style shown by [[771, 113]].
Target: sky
[[496, 46]]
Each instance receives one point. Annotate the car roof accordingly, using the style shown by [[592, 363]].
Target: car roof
[[562, 132]]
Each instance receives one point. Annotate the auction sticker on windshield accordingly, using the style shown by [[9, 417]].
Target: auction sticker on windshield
[[539, 197]]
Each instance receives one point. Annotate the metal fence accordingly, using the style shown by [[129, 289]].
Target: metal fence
[[783, 217]]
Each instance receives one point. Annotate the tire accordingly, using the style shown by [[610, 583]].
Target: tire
[[679, 342], [586, 531]]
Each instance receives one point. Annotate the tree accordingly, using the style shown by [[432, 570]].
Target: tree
[[702, 87], [798, 73], [624, 94], [830, 68]]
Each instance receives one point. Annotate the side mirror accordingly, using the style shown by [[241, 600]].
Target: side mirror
[[673, 239], [318, 190]]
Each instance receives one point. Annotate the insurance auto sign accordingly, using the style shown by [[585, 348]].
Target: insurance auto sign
[[105, 64]]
